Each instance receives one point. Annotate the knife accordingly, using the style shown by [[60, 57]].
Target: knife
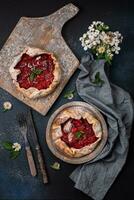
[[37, 146]]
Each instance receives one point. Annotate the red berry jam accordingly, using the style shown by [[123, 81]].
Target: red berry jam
[[82, 133], [36, 71]]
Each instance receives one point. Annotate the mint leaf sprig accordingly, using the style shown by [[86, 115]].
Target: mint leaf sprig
[[69, 94], [34, 73], [79, 134]]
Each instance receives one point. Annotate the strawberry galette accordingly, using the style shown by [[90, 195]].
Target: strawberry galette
[[76, 132], [35, 72]]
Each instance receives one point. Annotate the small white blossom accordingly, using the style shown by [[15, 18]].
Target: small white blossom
[[116, 52], [84, 35], [16, 146], [7, 105], [94, 43], [97, 32], [101, 49], [87, 42], [85, 48], [94, 22], [89, 46]]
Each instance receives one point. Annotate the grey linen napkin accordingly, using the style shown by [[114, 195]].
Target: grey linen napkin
[[95, 177]]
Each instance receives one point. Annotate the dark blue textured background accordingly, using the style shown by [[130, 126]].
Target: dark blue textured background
[[15, 180]]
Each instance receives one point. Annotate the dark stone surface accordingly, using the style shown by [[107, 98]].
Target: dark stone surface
[[15, 180]]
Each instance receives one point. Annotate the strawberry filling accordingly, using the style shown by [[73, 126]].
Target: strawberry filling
[[81, 133], [36, 71]]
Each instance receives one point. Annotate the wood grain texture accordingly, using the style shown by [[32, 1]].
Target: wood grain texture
[[44, 33], [31, 161], [42, 165]]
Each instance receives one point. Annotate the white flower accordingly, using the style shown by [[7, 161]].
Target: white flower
[[89, 46], [116, 52], [108, 51], [98, 41], [85, 48], [84, 35], [117, 48], [94, 43], [94, 22], [110, 55], [106, 39], [82, 44], [7, 105], [71, 96], [87, 41], [16, 146], [101, 49], [97, 32], [91, 29]]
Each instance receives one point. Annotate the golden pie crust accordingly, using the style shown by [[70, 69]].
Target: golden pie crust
[[56, 131], [32, 92]]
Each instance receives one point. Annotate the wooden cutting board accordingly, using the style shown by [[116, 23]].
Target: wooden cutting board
[[44, 33]]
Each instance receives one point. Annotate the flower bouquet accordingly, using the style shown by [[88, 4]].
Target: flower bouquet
[[102, 42]]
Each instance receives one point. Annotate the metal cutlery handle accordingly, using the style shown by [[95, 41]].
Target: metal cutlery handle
[[31, 161], [42, 165]]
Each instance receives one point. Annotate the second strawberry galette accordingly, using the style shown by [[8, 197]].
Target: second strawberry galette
[[76, 132], [35, 72]]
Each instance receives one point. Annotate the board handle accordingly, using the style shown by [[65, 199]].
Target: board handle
[[61, 16]]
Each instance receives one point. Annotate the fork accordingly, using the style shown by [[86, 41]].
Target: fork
[[23, 129]]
